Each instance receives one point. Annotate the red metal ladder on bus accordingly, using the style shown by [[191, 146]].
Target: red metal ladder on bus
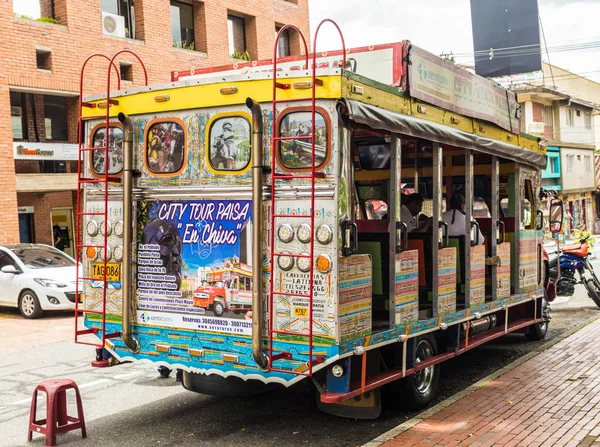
[[103, 182], [276, 180]]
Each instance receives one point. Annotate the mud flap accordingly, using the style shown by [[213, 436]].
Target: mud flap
[[365, 406]]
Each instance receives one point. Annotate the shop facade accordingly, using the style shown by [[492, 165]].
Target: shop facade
[[39, 83]]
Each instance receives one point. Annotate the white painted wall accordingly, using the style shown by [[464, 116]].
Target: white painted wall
[[577, 169], [577, 133]]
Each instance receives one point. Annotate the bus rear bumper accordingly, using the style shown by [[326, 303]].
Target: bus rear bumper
[[215, 385]]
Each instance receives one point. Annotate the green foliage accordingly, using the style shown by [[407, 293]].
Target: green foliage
[[582, 234], [245, 56], [48, 20], [184, 45], [41, 19]]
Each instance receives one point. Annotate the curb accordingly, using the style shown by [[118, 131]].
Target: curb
[[398, 430]]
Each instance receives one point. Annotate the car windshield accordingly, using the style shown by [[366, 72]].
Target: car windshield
[[41, 257]]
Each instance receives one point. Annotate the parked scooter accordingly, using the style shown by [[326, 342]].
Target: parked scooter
[[568, 261]]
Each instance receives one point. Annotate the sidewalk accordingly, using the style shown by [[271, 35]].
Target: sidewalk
[[552, 399]]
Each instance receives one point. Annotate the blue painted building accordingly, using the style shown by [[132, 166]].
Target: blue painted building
[[551, 175]]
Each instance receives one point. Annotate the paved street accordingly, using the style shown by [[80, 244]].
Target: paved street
[[165, 414]]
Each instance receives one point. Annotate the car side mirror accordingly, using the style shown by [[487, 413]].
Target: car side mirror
[[556, 216], [9, 269]]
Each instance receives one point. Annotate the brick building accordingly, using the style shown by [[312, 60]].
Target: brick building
[[41, 54]]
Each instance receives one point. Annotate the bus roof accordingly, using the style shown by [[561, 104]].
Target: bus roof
[[428, 88]]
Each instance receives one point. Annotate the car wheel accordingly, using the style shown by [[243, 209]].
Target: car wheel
[[29, 305], [218, 308]]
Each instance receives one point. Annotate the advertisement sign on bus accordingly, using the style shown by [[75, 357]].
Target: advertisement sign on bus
[[194, 263]]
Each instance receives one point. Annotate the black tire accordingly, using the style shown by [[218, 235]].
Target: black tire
[[537, 331], [29, 305], [164, 372], [218, 308], [421, 388], [592, 292]]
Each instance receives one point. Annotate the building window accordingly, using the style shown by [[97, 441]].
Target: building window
[[283, 47], [126, 71], [55, 118], [588, 163], [570, 118], [236, 32], [588, 120], [182, 25], [117, 18], [53, 167], [41, 10], [43, 59], [547, 115], [17, 116], [570, 161], [552, 164]]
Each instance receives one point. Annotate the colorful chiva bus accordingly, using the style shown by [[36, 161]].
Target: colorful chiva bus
[[258, 224]]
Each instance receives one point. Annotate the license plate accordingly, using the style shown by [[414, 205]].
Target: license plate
[[113, 271]]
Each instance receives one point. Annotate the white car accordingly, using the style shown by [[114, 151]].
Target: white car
[[35, 278]]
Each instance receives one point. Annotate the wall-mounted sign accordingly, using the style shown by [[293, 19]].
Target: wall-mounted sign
[[44, 151], [25, 210]]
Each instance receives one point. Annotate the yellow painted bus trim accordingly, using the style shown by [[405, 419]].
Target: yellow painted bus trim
[[209, 95]]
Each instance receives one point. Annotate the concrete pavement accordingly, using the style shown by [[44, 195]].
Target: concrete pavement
[[36, 350]]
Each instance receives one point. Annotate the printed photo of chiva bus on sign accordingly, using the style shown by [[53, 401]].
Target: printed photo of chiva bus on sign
[[194, 263]]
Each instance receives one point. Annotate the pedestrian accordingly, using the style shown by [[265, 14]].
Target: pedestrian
[[59, 240]]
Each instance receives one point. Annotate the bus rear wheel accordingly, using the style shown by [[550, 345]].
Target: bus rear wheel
[[421, 388]]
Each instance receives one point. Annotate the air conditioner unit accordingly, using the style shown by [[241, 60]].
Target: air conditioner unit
[[535, 128], [113, 25]]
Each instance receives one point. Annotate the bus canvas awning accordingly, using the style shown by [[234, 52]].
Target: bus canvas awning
[[382, 119]]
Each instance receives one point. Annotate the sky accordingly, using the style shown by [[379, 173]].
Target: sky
[[443, 26]]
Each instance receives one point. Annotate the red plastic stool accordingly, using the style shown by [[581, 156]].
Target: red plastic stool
[[57, 420]]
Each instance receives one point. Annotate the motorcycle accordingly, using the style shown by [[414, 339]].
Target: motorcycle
[[566, 263]]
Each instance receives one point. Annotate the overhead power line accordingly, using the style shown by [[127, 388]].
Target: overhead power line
[[523, 50]]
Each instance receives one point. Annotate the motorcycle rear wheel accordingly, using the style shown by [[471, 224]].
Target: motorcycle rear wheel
[[592, 291]]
